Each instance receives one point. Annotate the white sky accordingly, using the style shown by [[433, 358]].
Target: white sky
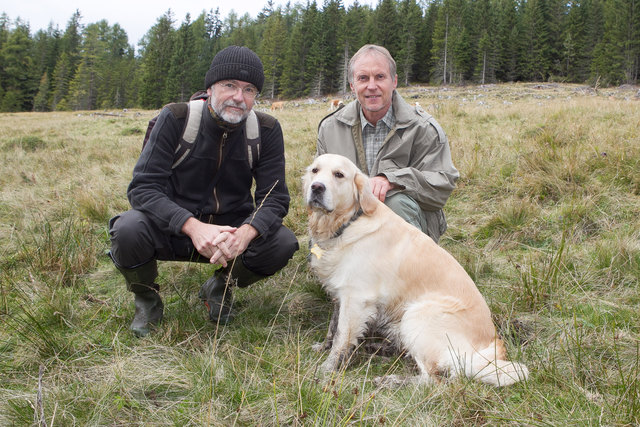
[[136, 17]]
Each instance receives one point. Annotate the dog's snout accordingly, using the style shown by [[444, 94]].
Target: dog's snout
[[318, 188]]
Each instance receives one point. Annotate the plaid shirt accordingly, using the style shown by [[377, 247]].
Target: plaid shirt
[[373, 136]]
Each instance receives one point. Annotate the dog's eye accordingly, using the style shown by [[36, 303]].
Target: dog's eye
[[338, 174], [314, 170]]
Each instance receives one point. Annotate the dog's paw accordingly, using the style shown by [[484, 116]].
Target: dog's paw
[[329, 366], [389, 381], [393, 381], [321, 346]]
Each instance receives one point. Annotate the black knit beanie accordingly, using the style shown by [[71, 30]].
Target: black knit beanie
[[235, 63]]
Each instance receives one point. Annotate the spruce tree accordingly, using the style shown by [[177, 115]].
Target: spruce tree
[[66, 65], [388, 28], [41, 101], [46, 49], [272, 52], [298, 45], [424, 61], [116, 63], [19, 83], [157, 51], [407, 55], [484, 35], [331, 50], [180, 85], [617, 56], [506, 39], [83, 91]]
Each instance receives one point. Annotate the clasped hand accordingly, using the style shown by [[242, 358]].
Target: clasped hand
[[219, 243]]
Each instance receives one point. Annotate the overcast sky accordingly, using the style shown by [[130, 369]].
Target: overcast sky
[[135, 16]]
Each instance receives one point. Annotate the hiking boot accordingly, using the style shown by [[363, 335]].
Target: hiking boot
[[216, 291], [216, 296]]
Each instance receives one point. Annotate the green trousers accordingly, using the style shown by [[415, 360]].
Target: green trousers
[[431, 223]]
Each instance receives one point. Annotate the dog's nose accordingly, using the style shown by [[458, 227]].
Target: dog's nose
[[318, 188]]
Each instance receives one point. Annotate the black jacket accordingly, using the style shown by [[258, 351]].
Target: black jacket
[[170, 196]]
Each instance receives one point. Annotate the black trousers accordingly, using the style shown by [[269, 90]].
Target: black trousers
[[136, 240]]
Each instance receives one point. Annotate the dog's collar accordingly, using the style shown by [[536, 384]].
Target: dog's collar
[[344, 226], [315, 248]]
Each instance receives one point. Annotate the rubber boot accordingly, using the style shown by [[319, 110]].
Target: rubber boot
[[149, 306], [216, 291]]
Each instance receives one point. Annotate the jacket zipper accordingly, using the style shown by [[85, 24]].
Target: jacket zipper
[[215, 192]]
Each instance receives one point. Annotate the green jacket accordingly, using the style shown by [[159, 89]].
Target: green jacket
[[415, 155]]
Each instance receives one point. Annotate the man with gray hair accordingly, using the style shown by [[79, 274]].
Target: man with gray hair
[[402, 148], [201, 208]]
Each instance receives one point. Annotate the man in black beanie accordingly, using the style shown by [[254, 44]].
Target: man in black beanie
[[195, 204]]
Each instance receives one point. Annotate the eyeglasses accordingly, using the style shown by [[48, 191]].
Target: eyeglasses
[[249, 92]]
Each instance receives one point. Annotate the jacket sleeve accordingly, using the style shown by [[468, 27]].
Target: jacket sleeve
[[148, 190], [429, 176], [271, 193]]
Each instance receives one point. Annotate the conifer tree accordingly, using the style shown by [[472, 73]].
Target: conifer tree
[[180, 85], [331, 50], [484, 34], [41, 101], [46, 49], [449, 39], [316, 77], [424, 45], [157, 51], [541, 39], [617, 55], [573, 43], [19, 84], [506, 39], [67, 63], [272, 52], [62, 75], [83, 90], [407, 55], [387, 28], [116, 63], [207, 32], [295, 76]]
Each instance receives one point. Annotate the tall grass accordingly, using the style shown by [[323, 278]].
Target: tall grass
[[545, 219]]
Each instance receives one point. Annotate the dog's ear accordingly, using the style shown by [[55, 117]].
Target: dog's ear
[[368, 201]]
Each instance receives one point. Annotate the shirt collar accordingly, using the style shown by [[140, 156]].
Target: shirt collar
[[388, 119]]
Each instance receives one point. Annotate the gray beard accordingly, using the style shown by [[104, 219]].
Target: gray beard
[[224, 115]]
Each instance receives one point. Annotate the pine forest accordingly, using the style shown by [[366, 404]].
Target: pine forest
[[305, 49]]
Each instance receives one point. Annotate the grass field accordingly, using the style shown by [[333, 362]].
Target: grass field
[[546, 219]]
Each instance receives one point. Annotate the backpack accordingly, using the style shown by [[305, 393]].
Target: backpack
[[192, 112]]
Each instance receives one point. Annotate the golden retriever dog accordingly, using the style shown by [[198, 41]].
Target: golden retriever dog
[[382, 270]]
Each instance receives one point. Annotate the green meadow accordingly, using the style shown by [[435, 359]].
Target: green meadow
[[545, 219]]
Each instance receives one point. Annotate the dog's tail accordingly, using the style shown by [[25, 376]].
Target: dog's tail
[[489, 366]]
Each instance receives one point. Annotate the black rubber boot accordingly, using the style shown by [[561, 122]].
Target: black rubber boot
[[216, 291], [149, 306], [149, 310]]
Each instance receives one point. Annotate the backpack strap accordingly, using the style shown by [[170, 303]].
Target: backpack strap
[[193, 113], [190, 131], [252, 133]]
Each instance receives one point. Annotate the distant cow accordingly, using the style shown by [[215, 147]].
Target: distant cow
[[277, 105], [334, 104]]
